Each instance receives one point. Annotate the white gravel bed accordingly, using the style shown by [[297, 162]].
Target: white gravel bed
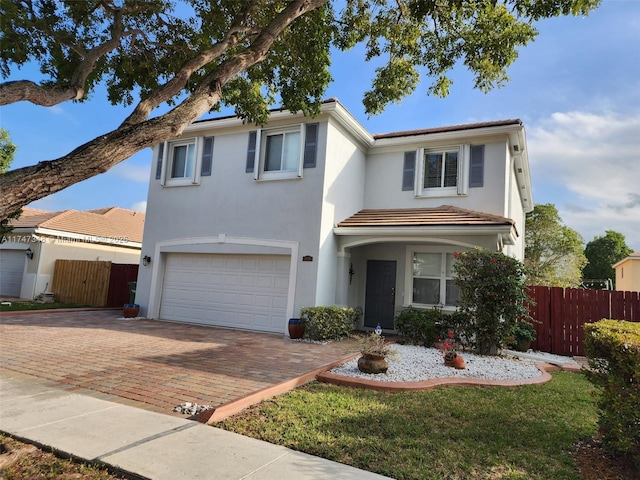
[[413, 364]]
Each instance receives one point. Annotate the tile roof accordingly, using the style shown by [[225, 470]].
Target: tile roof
[[451, 128], [110, 222], [444, 215]]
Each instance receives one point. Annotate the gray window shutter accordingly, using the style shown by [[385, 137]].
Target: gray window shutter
[[251, 151], [207, 157], [476, 166], [310, 145], [159, 161], [409, 170]]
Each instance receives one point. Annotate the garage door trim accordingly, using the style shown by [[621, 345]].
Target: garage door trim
[[155, 294]]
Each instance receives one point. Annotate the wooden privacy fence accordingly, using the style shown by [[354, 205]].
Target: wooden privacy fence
[[92, 283], [561, 313]]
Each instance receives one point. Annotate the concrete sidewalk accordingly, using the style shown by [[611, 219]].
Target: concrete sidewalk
[[147, 444]]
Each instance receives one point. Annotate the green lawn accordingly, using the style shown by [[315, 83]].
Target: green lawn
[[449, 432], [20, 305]]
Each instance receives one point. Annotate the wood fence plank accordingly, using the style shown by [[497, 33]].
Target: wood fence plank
[[557, 320]]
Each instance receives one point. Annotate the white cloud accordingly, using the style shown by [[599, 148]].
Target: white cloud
[[595, 157], [140, 206]]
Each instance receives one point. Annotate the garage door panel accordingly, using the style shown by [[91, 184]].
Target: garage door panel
[[11, 271], [241, 291]]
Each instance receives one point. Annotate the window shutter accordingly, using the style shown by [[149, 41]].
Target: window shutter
[[207, 157], [159, 161], [251, 151], [476, 166], [409, 171], [311, 145]]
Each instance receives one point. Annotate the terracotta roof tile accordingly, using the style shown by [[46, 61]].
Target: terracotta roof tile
[[451, 128], [111, 222], [445, 215]]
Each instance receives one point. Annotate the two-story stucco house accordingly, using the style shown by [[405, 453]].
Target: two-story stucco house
[[246, 225]]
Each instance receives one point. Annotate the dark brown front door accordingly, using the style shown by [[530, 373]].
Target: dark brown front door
[[380, 296]]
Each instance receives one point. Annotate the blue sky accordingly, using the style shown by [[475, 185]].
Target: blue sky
[[576, 88]]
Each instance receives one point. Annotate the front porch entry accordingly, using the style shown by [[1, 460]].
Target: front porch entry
[[380, 296]]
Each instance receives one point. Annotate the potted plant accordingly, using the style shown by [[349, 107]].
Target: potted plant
[[374, 352], [130, 310], [521, 334], [296, 328], [451, 357]]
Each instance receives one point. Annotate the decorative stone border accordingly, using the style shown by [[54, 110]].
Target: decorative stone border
[[346, 381]]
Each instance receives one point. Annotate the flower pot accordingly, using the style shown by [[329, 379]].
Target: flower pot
[[368, 363], [296, 328], [523, 345], [456, 362], [130, 310]]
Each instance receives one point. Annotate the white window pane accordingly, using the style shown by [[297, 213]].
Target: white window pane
[[191, 160], [426, 291], [291, 154], [453, 293], [433, 170], [427, 264], [179, 161], [451, 260], [451, 169], [273, 158]]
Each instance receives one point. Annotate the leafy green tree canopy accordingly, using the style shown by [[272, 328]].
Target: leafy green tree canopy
[[7, 152], [197, 55], [602, 253], [553, 252]]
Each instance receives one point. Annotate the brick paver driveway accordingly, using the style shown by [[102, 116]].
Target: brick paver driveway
[[152, 364]]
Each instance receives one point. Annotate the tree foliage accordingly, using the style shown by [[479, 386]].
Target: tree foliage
[[7, 152], [602, 253], [198, 55], [553, 253]]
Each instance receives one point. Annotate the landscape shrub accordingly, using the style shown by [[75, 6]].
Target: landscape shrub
[[327, 323], [613, 351], [492, 296], [419, 326]]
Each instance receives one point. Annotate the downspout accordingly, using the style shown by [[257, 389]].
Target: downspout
[[35, 278]]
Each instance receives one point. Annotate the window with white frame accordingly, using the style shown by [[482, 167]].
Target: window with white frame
[[440, 172], [431, 278], [184, 161], [280, 153]]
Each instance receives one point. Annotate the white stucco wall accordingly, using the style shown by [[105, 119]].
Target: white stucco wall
[[232, 203]]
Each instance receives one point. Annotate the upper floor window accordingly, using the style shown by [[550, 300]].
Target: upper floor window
[[440, 169], [442, 172], [182, 156], [184, 161], [280, 153]]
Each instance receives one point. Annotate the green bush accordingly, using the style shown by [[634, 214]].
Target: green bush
[[492, 295], [419, 326], [327, 323], [613, 351]]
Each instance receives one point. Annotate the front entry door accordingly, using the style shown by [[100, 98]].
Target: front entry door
[[380, 296]]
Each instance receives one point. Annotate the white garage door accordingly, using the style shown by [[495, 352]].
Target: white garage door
[[238, 291], [11, 270]]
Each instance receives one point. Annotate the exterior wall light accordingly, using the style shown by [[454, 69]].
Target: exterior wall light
[[29, 253], [146, 260]]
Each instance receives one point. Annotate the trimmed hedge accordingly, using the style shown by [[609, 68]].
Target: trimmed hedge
[[613, 351], [419, 326], [327, 323]]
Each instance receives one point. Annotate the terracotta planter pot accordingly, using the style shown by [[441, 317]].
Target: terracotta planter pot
[[130, 310], [456, 362], [372, 364], [296, 328]]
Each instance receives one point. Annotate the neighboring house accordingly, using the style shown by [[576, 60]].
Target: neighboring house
[[39, 238], [247, 225], [628, 273]]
